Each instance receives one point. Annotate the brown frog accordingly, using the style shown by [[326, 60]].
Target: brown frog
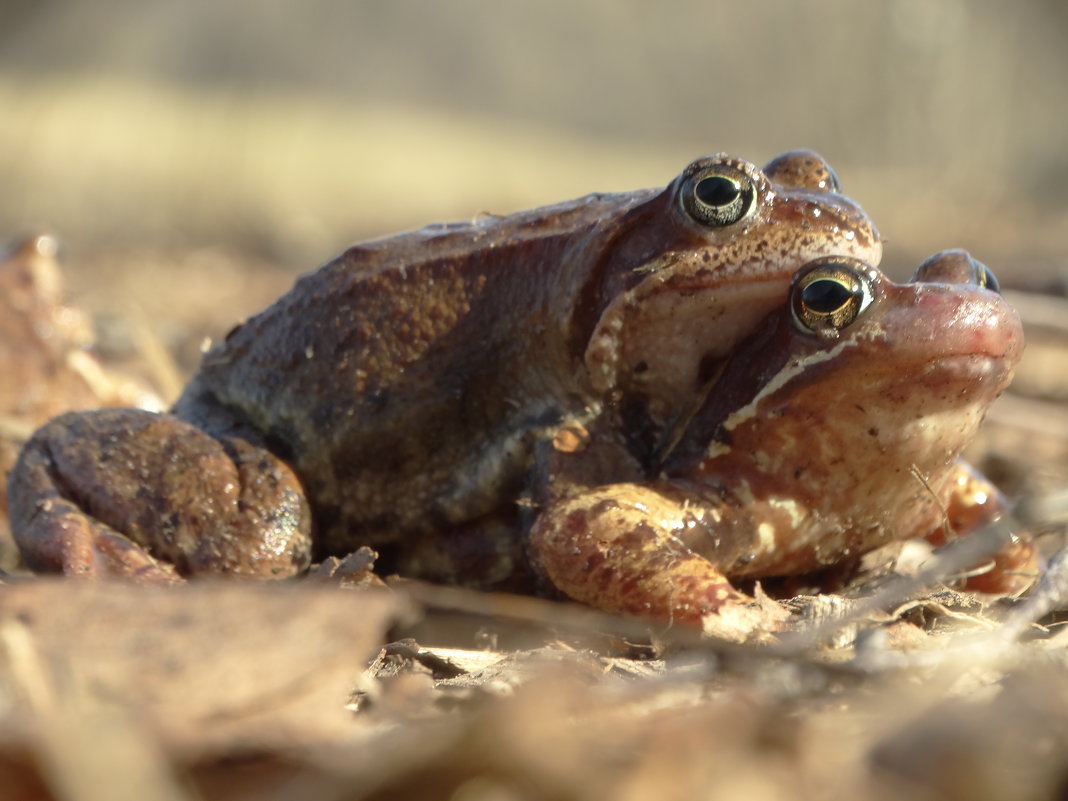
[[834, 430], [419, 393], [47, 365]]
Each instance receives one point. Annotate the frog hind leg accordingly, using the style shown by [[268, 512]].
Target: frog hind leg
[[975, 502], [486, 553], [622, 556], [124, 492]]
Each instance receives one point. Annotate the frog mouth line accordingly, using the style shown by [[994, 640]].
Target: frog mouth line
[[976, 369]]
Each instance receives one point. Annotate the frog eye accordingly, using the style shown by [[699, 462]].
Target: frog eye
[[986, 278], [830, 297], [956, 266], [718, 195], [830, 182], [803, 169]]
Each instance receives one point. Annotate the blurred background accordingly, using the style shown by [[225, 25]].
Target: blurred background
[[192, 157]]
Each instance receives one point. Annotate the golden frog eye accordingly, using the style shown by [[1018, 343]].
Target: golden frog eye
[[831, 182], [718, 195], [987, 279], [830, 297]]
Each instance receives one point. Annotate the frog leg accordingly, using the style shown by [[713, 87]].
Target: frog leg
[[973, 503], [124, 492], [617, 548]]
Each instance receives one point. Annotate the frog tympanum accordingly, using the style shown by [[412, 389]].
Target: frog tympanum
[[623, 398]]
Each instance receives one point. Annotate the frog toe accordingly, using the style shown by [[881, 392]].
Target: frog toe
[[60, 538], [622, 556], [129, 493]]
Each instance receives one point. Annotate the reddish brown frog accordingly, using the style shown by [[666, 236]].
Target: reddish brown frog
[[834, 430], [398, 396]]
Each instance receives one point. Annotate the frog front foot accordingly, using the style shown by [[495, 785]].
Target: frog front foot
[[128, 493], [976, 502], [667, 552], [623, 548]]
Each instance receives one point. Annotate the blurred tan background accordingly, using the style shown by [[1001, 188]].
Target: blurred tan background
[[193, 156]]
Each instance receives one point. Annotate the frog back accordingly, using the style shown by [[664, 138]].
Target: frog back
[[407, 380]]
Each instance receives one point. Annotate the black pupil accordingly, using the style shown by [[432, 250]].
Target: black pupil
[[717, 191], [826, 296]]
